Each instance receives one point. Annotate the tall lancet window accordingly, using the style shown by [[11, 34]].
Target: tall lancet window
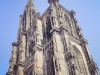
[[79, 63], [48, 28]]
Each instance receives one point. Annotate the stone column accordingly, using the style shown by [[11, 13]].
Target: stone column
[[23, 46], [55, 58]]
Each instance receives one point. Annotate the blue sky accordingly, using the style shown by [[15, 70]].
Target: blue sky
[[87, 14]]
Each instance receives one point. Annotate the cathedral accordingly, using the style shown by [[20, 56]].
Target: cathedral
[[50, 44]]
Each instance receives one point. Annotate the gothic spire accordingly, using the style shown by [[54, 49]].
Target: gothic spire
[[49, 1]]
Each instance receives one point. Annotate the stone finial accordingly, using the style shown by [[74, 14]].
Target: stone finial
[[30, 2], [72, 12], [14, 44], [49, 1]]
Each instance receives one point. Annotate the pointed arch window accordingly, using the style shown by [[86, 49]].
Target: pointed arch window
[[75, 62]]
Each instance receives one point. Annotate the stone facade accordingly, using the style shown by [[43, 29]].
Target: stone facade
[[51, 44]]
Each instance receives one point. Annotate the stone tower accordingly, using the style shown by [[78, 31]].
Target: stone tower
[[50, 44]]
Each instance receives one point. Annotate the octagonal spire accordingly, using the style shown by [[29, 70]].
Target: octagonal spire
[[49, 1]]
